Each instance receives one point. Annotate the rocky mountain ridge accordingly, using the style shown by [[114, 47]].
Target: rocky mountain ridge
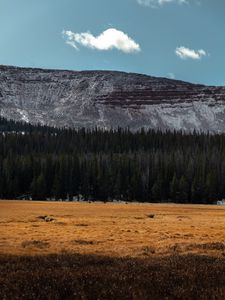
[[109, 99]]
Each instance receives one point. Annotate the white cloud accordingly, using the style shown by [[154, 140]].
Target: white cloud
[[185, 53], [157, 3], [107, 40]]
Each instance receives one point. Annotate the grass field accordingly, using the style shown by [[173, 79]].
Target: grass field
[[111, 251], [136, 230]]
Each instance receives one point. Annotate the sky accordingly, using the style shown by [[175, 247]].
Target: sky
[[180, 39]]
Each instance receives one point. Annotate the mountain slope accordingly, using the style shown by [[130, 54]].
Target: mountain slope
[[109, 99]]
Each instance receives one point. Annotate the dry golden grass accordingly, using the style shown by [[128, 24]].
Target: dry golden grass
[[136, 230]]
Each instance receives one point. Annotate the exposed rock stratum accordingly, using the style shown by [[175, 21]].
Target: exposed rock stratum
[[109, 99]]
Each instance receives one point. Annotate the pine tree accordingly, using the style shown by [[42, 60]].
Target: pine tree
[[174, 188], [183, 190], [38, 188]]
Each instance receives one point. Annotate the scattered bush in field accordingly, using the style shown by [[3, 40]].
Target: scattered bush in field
[[82, 225], [46, 218], [83, 242], [36, 243], [182, 247], [207, 246], [151, 216]]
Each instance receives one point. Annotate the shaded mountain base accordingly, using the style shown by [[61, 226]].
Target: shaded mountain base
[[90, 277]]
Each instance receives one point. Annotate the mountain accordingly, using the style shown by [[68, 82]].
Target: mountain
[[109, 99]]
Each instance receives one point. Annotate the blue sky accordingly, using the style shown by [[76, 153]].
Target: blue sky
[[182, 39]]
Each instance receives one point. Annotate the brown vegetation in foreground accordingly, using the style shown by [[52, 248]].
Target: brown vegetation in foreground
[[135, 230], [111, 251], [92, 277]]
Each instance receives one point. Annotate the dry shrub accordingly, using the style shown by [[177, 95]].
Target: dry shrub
[[91, 277], [207, 246], [83, 242], [151, 216], [46, 218], [35, 243]]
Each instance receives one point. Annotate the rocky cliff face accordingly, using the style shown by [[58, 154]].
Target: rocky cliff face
[[109, 99]]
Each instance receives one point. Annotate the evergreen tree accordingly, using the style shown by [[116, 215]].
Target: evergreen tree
[[117, 164], [39, 188]]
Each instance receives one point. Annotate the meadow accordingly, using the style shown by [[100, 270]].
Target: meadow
[[134, 230], [65, 250]]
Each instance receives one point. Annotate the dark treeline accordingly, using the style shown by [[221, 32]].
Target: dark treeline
[[13, 126], [148, 166]]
